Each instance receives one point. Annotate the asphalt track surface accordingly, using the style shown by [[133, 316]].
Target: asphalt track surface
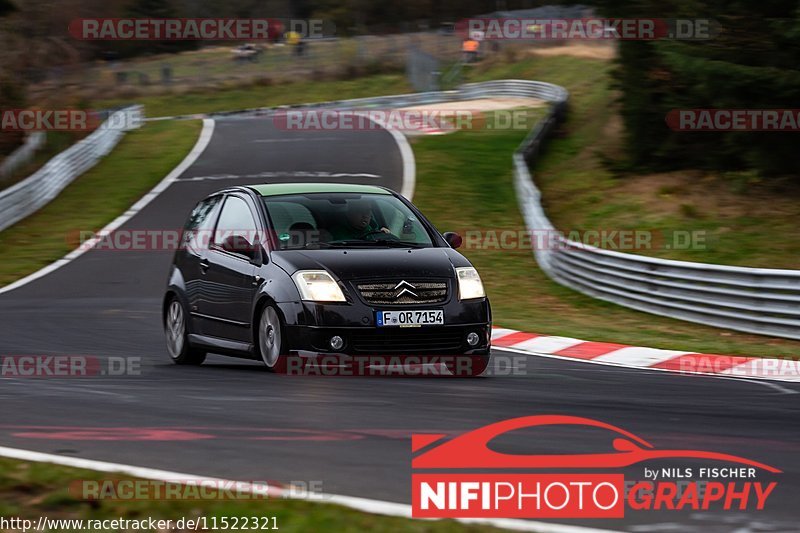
[[232, 419]]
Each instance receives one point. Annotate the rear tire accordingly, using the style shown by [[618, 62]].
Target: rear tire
[[175, 327], [270, 339]]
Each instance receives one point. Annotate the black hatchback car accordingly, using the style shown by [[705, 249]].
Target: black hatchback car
[[270, 271]]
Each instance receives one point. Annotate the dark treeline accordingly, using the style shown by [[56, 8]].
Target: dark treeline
[[752, 64], [39, 27], [358, 16]]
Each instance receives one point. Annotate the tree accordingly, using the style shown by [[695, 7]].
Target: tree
[[6, 7], [11, 91], [752, 64]]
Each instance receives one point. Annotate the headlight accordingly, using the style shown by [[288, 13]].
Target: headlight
[[317, 286], [469, 284]]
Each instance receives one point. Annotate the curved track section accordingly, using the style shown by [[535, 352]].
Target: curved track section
[[234, 420]]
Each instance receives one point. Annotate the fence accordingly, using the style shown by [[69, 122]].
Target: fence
[[31, 194], [214, 67], [422, 70]]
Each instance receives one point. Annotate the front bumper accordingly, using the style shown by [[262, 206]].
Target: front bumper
[[310, 326]]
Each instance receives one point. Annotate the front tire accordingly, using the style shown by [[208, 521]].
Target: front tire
[[175, 327], [270, 339]]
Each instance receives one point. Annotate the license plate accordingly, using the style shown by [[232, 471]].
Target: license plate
[[409, 319]]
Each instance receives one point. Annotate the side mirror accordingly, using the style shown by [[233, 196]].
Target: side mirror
[[238, 244], [258, 254], [453, 239]]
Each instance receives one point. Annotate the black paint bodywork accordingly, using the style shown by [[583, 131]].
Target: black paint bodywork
[[224, 293]]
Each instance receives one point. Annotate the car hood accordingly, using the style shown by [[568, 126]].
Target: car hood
[[374, 262]]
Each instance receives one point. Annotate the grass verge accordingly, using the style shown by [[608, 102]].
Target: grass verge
[[31, 490], [738, 218], [141, 159]]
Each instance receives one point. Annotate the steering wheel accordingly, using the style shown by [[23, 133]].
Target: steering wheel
[[390, 236]]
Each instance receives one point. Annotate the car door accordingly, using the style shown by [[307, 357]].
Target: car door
[[230, 273], [194, 253]]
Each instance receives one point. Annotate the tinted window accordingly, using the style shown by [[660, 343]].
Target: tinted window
[[198, 228], [235, 222], [341, 219], [286, 214]]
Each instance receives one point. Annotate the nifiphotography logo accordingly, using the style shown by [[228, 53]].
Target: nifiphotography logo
[[468, 479]]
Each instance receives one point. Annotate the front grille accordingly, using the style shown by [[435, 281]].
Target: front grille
[[422, 341], [402, 292]]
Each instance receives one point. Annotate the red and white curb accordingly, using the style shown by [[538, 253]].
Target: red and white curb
[[647, 358]]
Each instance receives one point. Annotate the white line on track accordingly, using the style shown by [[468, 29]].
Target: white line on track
[[361, 504], [199, 148], [409, 163]]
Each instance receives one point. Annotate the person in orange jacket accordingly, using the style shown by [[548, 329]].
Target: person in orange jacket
[[470, 49]]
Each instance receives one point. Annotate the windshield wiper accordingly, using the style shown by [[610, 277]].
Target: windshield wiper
[[390, 243], [312, 245], [399, 244]]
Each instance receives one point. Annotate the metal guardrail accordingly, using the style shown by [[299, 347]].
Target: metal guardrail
[[23, 154], [754, 300], [34, 192], [490, 89]]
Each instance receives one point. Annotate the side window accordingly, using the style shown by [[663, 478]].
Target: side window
[[197, 231], [200, 213], [236, 229]]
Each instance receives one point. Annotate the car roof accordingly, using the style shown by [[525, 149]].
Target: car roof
[[274, 189]]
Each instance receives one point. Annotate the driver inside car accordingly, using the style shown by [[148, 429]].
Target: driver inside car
[[358, 223]]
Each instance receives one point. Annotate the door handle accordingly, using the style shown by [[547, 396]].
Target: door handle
[[204, 264]]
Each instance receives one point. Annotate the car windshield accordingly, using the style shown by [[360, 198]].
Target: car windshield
[[343, 220]]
